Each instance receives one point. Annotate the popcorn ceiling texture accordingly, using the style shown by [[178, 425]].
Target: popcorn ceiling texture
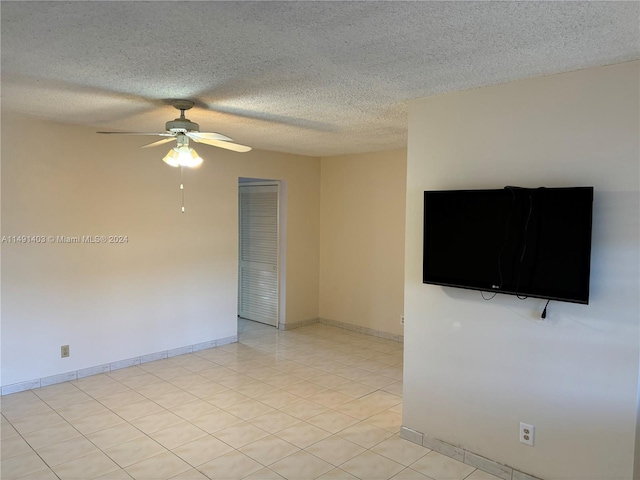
[[313, 78]]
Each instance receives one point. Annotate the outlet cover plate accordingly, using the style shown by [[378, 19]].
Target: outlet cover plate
[[527, 434]]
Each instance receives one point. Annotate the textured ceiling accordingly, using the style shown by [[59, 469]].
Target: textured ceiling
[[315, 78]]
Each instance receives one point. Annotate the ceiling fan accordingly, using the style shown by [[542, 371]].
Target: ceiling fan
[[181, 130]]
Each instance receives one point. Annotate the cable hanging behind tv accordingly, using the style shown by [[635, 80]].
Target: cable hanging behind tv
[[529, 242]]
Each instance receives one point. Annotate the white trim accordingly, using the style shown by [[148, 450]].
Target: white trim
[[260, 183]]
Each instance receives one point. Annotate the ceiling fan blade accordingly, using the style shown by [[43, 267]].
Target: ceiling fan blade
[[159, 142], [163, 134], [209, 135], [236, 147]]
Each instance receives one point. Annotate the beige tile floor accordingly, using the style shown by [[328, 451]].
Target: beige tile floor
[[314, 402]]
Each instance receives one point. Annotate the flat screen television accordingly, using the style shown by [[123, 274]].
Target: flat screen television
[[530, 242]]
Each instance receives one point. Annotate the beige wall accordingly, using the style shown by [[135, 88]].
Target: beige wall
[[475, 369], [173, 284], [362, 239]]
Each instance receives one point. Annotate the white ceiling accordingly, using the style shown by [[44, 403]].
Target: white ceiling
[[314, 78]]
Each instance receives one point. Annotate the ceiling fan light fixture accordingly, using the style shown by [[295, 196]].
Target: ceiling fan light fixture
[[182, 156]]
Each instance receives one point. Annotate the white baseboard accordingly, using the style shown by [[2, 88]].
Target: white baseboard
[[481, 463], [109, 367], [365, 330], [345, 325], [298, 324]]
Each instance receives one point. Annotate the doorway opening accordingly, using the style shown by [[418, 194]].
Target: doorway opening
[[261, 292]]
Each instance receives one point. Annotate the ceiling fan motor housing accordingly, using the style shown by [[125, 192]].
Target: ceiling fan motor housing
[[182, 125]]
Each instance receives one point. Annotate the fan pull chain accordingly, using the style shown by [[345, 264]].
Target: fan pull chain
[[182, 185]]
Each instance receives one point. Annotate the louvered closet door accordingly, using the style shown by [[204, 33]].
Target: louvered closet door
[[258, 275]]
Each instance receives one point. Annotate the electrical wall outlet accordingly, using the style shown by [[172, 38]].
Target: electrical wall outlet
[[402, 319], [64, 351], [527, 433]]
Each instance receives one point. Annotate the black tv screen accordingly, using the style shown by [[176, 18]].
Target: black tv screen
[[530, 242]]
